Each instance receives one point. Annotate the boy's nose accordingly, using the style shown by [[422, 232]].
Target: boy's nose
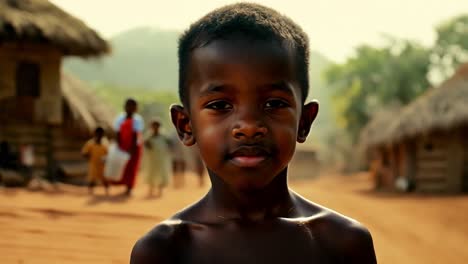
[[245, 129]]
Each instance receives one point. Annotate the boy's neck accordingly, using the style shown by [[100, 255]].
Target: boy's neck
[[272, 201]]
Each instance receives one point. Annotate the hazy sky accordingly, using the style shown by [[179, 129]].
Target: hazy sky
[[335, 27]]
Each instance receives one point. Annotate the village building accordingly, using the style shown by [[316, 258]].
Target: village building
[[423, 146], [41, 106], [305, 163]]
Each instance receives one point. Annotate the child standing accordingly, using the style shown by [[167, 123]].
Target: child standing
[[157, 160], [243, 84], [95, 151], [129, 127]]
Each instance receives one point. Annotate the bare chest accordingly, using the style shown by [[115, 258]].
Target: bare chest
[[270, 243]]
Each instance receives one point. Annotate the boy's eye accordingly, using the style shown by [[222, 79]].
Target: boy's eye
[[275, 103], [219, 105]]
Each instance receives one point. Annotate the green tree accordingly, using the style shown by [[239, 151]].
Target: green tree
[[451, 47], [377, 77]]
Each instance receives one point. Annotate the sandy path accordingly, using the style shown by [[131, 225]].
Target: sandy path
[[68, 226]]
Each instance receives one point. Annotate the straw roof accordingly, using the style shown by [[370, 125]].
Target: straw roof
[[42, 22], [377, 130], [440, 108], [86, 109]]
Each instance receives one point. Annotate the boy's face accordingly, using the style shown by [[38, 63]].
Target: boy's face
[[245, 110]]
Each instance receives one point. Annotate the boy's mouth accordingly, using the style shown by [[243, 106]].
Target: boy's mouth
[[248, 156]]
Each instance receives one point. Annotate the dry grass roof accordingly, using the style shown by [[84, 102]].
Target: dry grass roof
[[440, 108], [377, 129], [86, 108], [40, 21]]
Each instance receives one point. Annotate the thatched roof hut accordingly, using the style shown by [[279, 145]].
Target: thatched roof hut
[[85, 109], [441, 108], [377, 129], [58, 113], [41, 22], [425, 144]]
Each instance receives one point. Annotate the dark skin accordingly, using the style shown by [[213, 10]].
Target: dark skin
[[98, 138], [246, 114]]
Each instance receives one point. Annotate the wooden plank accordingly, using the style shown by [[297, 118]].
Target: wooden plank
[[68, 155], [431, 178], [432, 165], [431, 172], [57, 133], [432, 157], [25, 140], [431, 187], [32, 128], [435, 152], [40, 149], [434, 146], [40, 161], [67, 141], [75, 168]]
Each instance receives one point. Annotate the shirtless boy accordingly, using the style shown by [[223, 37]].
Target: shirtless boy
[[243, 82]]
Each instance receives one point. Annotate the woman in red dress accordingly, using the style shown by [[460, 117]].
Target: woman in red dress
[[129, 127]]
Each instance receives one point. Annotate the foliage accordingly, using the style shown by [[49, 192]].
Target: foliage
[[451, 46], [377, 77], [142, 57]]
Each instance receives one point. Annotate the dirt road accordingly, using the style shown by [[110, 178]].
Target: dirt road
[[68, 226]]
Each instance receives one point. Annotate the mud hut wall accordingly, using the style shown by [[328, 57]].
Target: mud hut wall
[[438, 159], [409, 159], [394, 165], [401, 165], [385, 174], [455, 161], [7, 75], [431, 163], [375, 165], [464, 137], [48, 107]]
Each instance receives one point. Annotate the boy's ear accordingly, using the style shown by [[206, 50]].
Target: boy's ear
[[181, 120], [309, 113]]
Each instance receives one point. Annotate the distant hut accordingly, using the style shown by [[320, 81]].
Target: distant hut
[[430, 138], [384, 158], [41, 106], [305, 163]]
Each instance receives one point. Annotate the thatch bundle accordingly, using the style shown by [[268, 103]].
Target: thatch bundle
[[86, 109], [440, 108], [377, 129], [39, 21]]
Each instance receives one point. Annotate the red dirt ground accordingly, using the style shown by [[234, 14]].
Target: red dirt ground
[[68, 226]]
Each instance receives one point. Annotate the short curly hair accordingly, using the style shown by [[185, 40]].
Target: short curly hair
[[253, 20]]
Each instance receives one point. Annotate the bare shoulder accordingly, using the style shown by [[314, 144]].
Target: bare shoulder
[[159, 244], [165, 242], [344, 238]]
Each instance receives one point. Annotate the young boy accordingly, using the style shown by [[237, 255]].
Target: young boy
[[243, 84], [95, 150]]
